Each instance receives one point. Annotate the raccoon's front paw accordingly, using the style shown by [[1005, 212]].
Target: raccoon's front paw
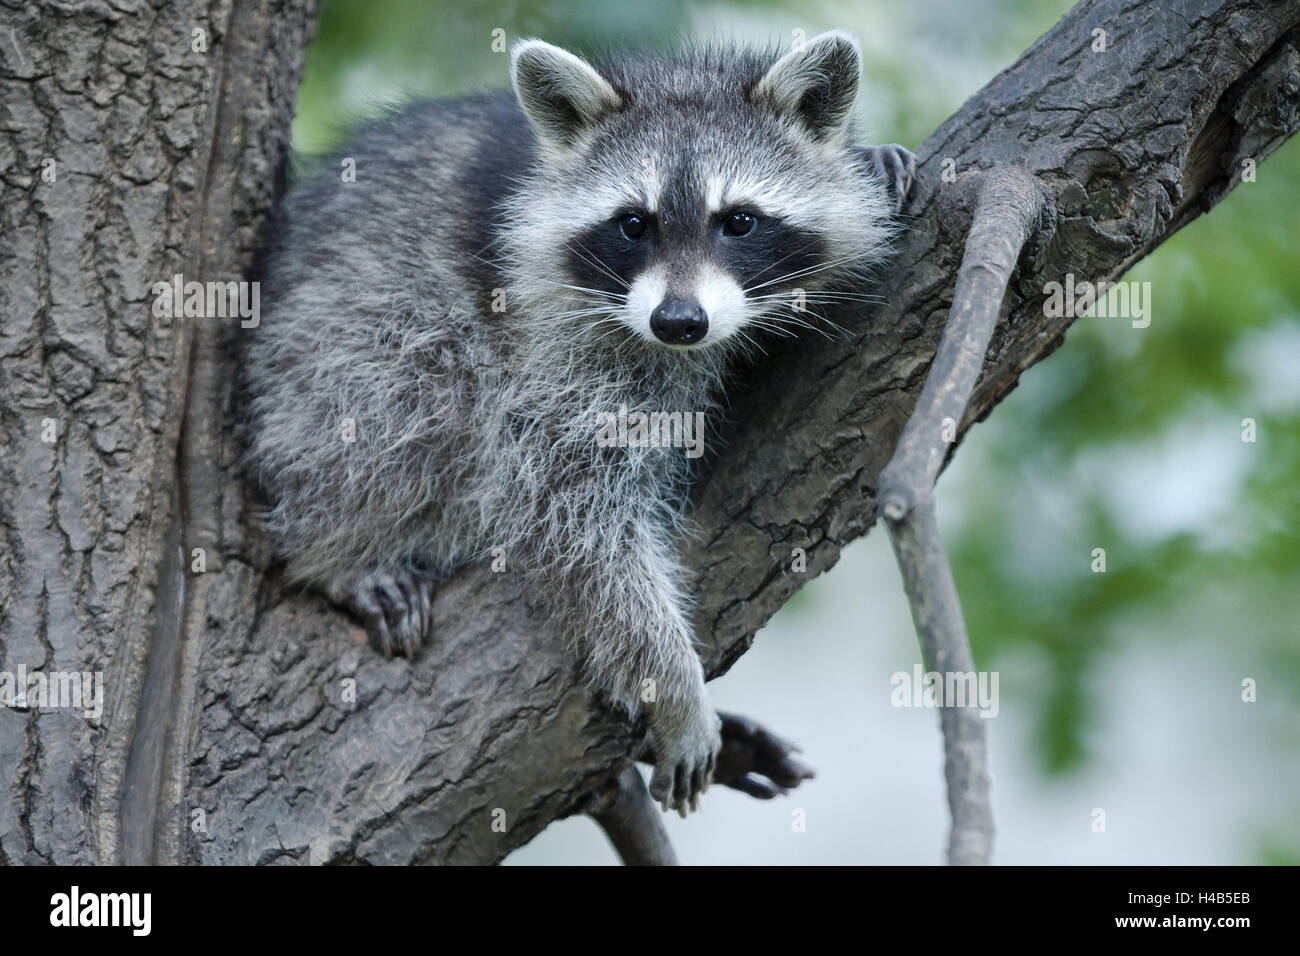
[[685, 755], [896, 166], [396, 607]]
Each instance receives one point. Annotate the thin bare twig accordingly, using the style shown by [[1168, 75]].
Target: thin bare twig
[[633, 823], [1006, 211]]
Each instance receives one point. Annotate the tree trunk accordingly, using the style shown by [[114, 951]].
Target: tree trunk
[[245, 723], [167, 147]]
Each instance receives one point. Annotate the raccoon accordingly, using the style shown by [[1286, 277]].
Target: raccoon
[[445, 339]]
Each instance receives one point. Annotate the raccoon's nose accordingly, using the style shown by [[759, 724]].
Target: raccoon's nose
[[679, 322]]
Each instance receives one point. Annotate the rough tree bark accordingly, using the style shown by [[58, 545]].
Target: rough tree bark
[[165, 160], [245, 723]]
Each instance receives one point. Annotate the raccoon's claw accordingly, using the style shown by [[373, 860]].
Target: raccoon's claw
[[684, 762], [396, 607], [896, 166]]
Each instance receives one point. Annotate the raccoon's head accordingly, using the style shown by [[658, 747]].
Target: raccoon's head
[[692, 200]]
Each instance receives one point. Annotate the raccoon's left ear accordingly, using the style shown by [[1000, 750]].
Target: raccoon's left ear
[[815, 84], [560, 94]]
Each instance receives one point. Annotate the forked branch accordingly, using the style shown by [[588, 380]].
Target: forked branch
[[1007, 209]]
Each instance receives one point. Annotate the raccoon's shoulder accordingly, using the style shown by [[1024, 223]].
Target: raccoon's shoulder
[[429, 172], [474, 142]]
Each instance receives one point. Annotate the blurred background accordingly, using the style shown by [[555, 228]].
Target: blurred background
[[1120, 691]]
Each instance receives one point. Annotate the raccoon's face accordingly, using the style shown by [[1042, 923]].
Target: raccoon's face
[[697, 200]]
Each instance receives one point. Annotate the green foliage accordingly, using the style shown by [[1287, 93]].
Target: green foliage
[[368, 54]]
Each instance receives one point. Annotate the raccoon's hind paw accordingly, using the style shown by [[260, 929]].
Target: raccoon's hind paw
[[395, 605], [756, 761], [896, 166], [684, 760]]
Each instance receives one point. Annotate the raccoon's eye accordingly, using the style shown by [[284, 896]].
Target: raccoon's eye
[[632, 226], [739, 224]]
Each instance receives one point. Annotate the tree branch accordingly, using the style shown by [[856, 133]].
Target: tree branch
[[1006, 213], [632, 822]]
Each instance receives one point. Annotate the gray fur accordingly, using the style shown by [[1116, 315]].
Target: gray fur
[[475, 430]]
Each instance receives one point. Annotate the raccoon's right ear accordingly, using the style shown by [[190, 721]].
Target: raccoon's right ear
[[815, 84], [560, 94]]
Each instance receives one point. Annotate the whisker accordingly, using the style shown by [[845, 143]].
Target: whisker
[[819, 296], [770, 265], [591, 258], [787, 319], [564, 285], [810, 270]]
